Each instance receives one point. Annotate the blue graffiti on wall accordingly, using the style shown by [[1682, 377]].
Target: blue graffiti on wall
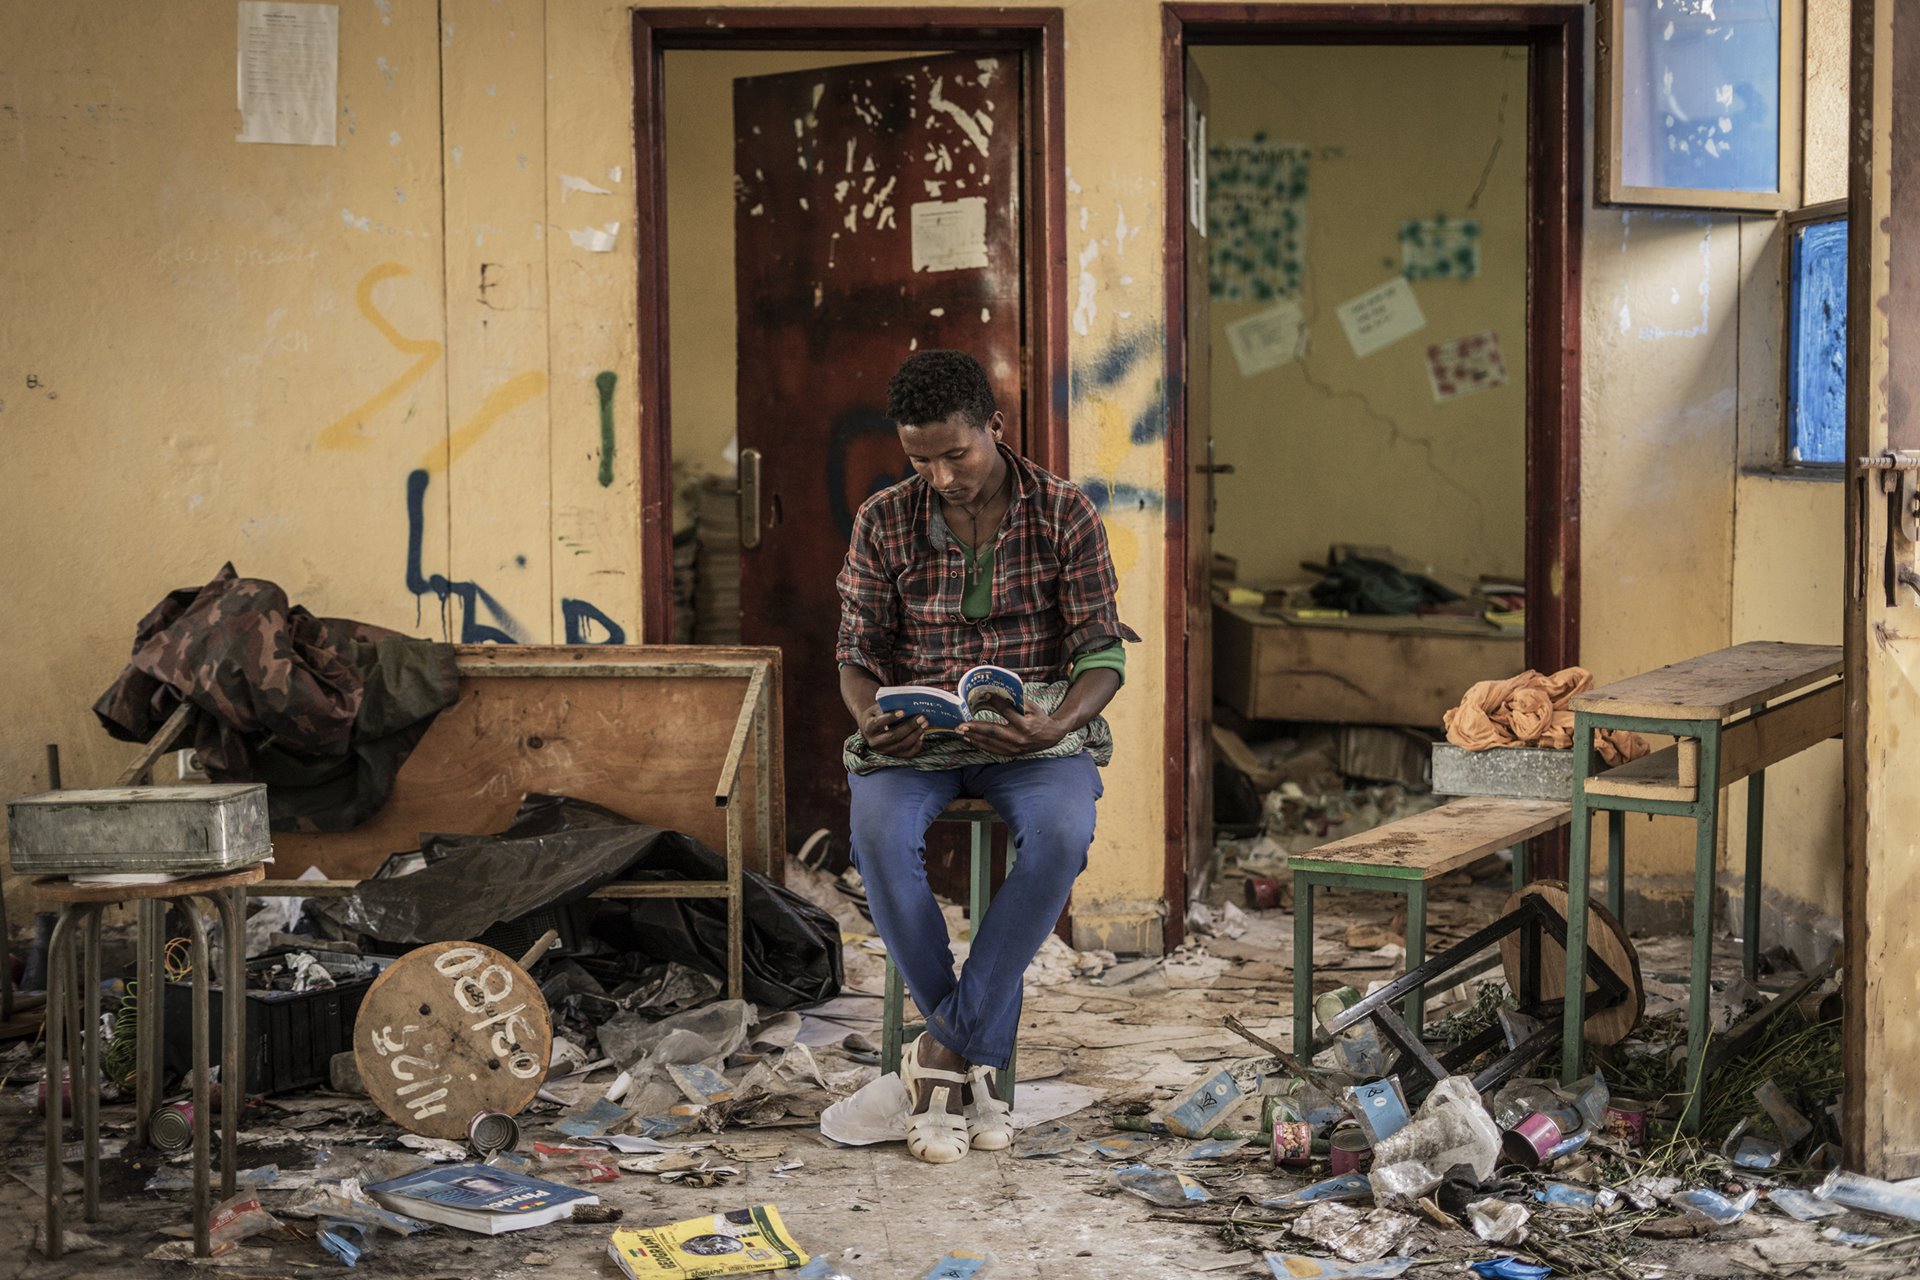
[[471, 595], [582, 618], [1114, 365]]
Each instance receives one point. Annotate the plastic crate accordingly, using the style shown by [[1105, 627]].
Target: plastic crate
[[291, 1035]]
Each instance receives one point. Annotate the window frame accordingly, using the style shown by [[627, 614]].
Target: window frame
[[1611, 143], [1791, 223]]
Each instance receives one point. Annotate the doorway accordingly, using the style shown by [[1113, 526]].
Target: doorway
[[821, 195], [1373, 238]]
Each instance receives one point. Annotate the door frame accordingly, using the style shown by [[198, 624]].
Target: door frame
[[1038, 35], [1555, 38]]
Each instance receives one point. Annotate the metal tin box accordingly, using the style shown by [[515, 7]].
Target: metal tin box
[[1520, 773], [210, 827]]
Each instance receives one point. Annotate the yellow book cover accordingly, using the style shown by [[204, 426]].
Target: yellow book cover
[[725, 1244]]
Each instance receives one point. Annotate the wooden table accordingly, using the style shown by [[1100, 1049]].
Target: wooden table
[[1716, 706]]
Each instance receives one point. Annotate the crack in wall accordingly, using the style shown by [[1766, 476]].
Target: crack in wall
[[1499, 140]]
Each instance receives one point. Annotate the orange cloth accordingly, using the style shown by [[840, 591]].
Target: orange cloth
[[1530, 710]]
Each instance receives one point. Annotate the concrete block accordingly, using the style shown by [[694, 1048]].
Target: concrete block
[[1521, 773]]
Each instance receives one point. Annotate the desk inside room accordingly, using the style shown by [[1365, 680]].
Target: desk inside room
[[1732, 714], [1355, 670]]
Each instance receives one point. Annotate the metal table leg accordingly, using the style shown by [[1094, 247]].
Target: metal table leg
[[202, 1111], [86, 1098], [148, 991], [1750, 900], [59, 991], [1617, 864], [1416, 1007], [1706, 848], [1303, 964], [233, 1026], [1580, 837]]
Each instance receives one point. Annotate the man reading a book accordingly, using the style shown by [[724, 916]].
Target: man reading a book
[[979, 557]]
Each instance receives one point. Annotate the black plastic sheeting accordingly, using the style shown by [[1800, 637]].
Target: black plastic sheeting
[[557, 851]]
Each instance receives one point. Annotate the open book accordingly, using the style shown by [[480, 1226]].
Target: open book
[[945, 712]]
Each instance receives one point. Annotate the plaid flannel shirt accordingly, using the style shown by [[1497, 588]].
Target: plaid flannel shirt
[[1053, 586]]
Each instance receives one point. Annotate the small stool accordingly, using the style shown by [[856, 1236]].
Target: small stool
[[979, 815], [79, 1009]]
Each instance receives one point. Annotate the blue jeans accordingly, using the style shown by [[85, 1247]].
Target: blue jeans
[[1047, 806]]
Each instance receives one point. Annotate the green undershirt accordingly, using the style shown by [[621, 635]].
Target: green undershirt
[[977, 602]]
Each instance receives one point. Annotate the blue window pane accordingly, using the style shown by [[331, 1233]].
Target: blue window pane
[[1817, 344], [1700, 86]]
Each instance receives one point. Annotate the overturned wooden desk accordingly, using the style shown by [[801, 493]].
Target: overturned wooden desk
[[1720, 708], [686, 738]]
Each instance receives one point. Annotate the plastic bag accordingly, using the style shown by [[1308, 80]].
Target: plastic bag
[[1451, 1128], [1160, 1186], [238, 1218]]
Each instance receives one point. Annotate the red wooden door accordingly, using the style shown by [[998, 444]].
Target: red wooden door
[[1198, 429], [878, 213]]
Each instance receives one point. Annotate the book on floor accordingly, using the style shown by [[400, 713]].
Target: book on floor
[[480, 1198], [946, 712], [722, 1244]]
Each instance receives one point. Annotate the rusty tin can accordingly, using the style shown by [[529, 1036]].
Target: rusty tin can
[[170, 1128], [1292, 1142], [1263, 893], [1351, 1151], [1626, 1122], [491, 1132], [1529, 1141]]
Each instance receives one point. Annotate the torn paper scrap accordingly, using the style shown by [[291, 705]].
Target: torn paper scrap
[[1381, 317], [1268, 339], [1440, 248], [1462, 366], [288, 72], [950, 235], [595, 239], [570, 184]]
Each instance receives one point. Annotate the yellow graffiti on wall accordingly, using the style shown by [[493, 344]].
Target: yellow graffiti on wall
[[349, 431], [504, 398]]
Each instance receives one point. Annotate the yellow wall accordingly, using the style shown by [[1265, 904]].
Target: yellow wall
[[1338, 448], [254, 347]]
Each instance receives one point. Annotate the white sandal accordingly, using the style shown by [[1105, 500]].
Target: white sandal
[[989, 1118], [936, 1135]]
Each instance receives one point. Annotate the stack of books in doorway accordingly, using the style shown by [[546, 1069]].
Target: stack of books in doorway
[[717, 587]]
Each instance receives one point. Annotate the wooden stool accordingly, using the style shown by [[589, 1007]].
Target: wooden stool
[[1401, 857], [80, 1008], [979, 815]]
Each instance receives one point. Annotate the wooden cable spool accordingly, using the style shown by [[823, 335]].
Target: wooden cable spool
[[451, 1030], [1608, 939]]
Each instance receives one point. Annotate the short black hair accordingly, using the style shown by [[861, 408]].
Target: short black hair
[[934, 385]]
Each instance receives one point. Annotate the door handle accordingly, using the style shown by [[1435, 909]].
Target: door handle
[[749, 489], [1215, 468]]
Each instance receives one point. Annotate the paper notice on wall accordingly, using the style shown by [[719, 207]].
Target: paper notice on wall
[[950, 235], [289, 68], [1440, 248], [1256, 219], [1466, 365], [1381, 317], [1268, 339]]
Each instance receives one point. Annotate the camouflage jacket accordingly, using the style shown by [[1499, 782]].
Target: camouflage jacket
[[322, 710]]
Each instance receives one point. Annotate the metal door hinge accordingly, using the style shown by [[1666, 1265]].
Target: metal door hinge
[[1899, 472]]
